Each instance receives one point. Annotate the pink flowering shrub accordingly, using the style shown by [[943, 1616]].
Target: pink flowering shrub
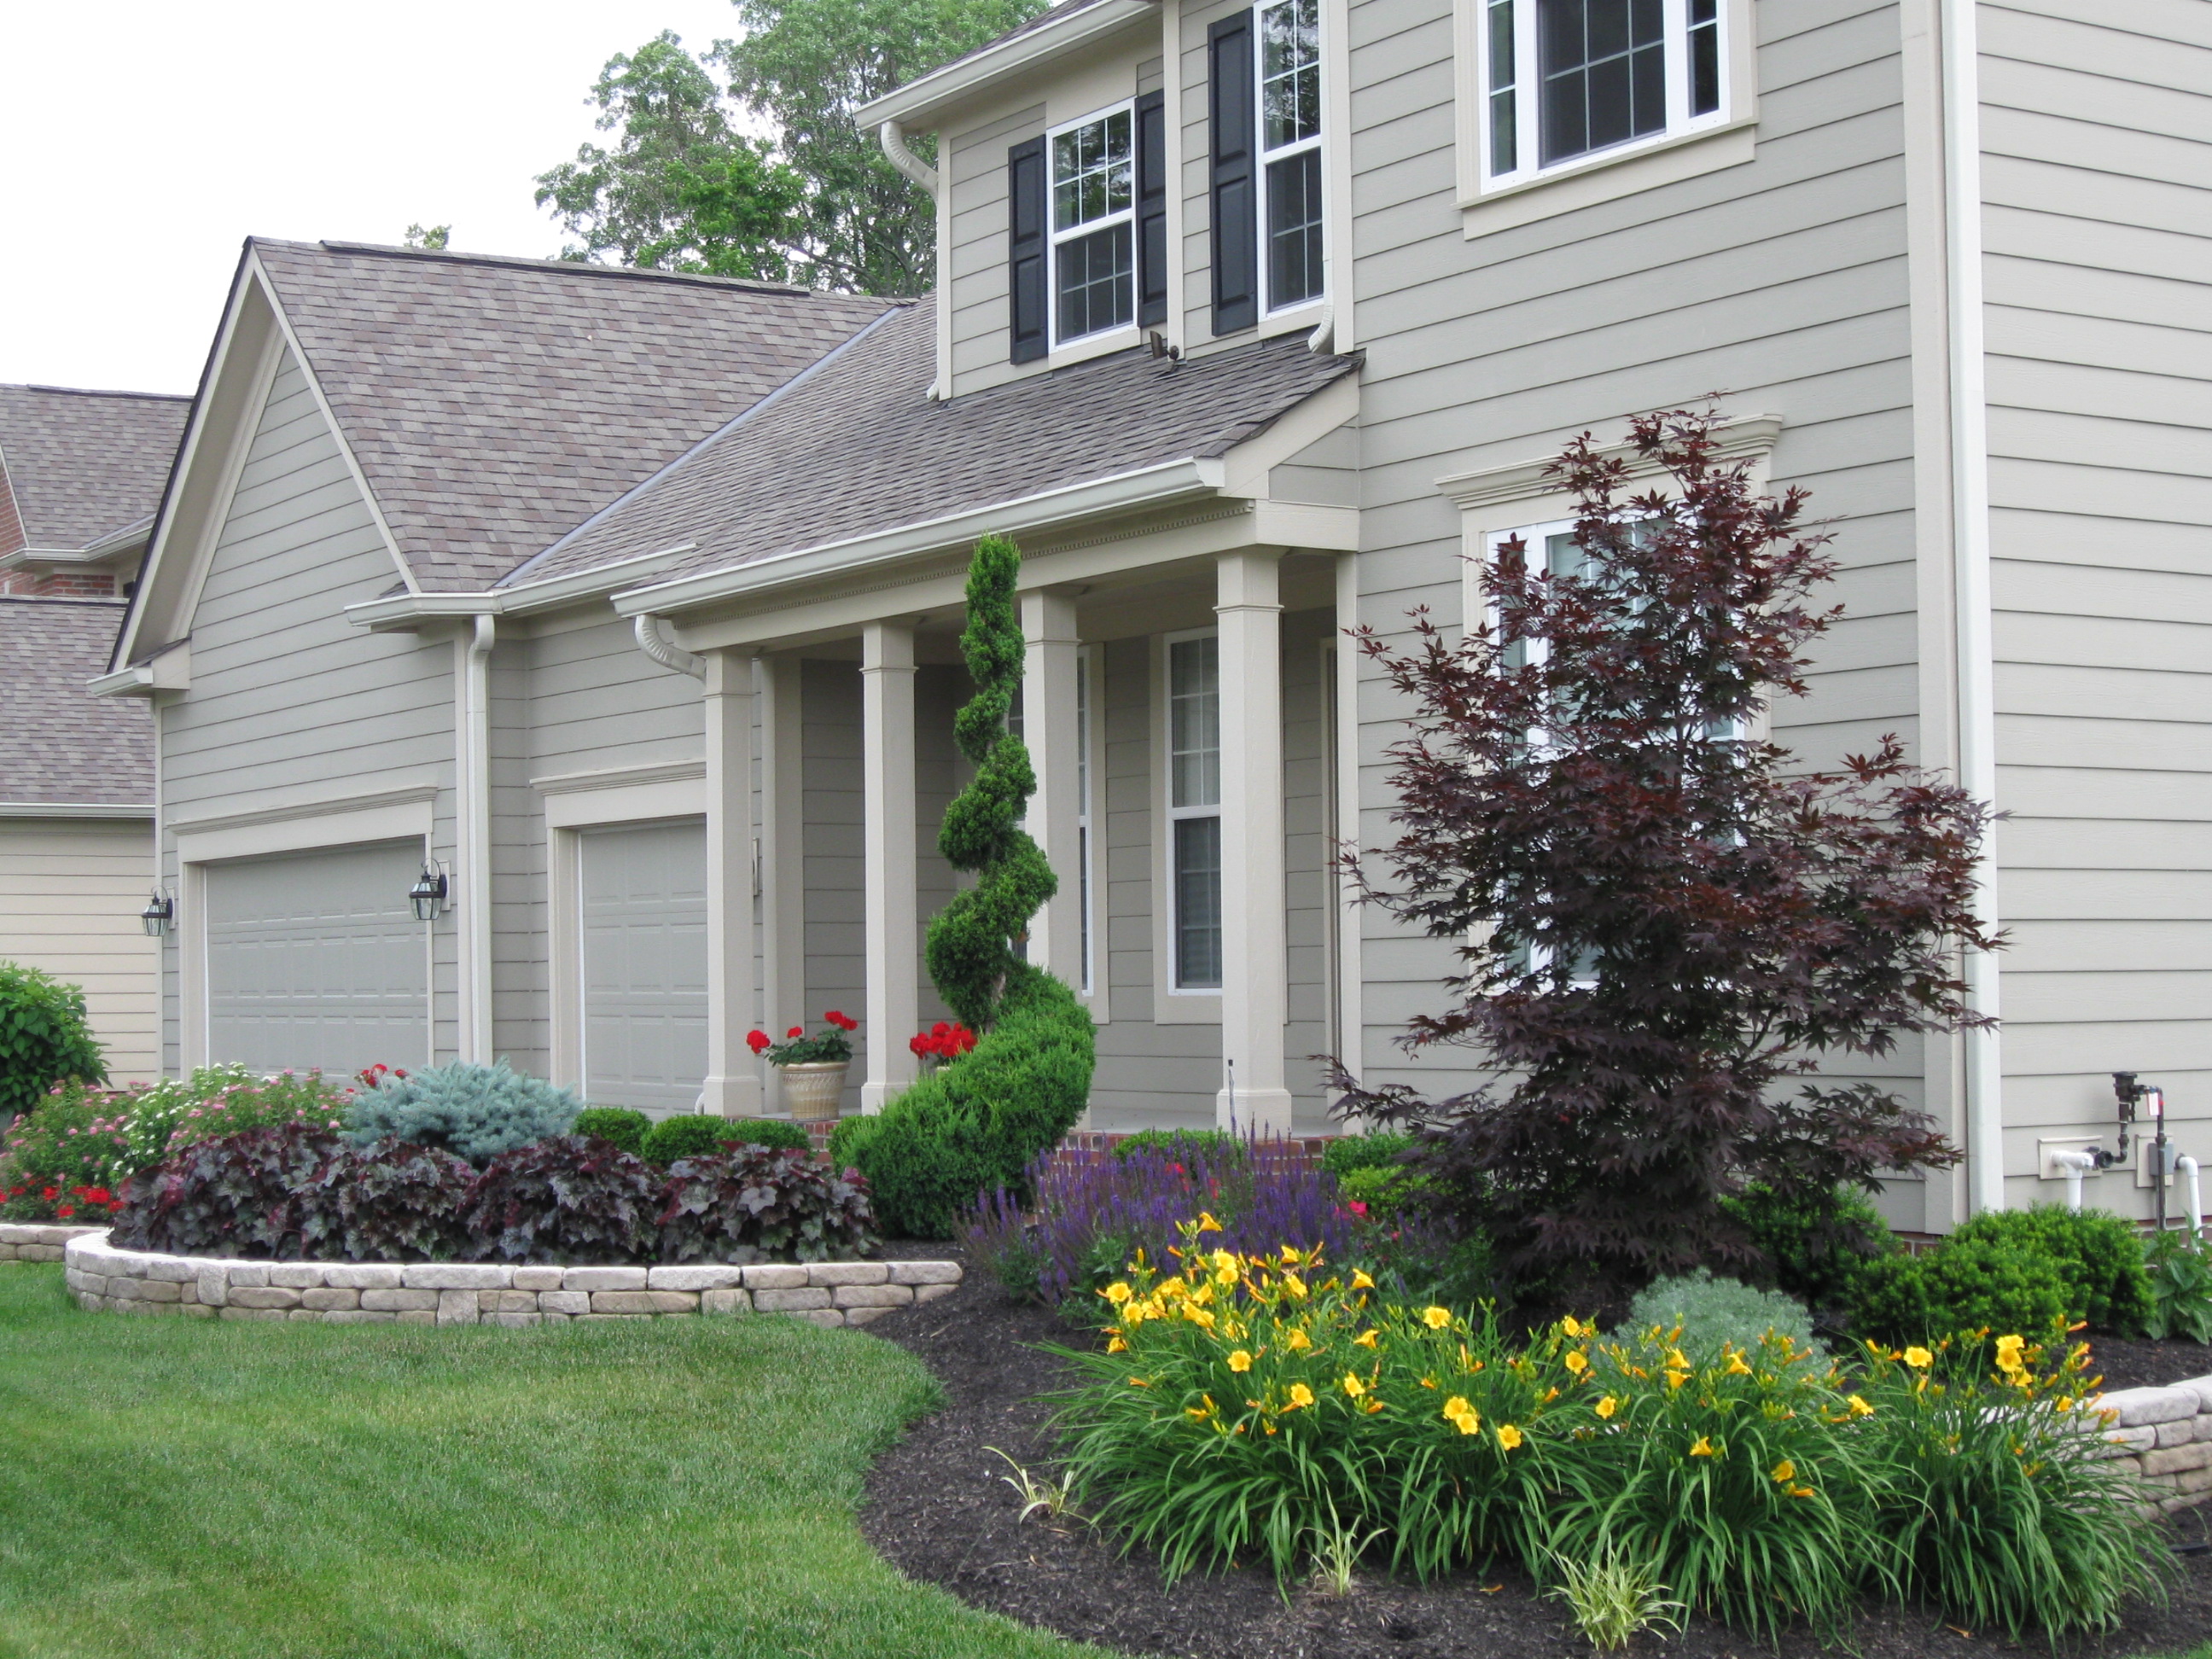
[[71, 1142]]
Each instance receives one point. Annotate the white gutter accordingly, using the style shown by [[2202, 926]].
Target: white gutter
[[402, 611], [1151, 487], [472, 834], [1970, 553], [169, 669], [44, 808], [1003, 61]]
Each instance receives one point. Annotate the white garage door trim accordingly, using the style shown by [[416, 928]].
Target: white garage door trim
[[315, 959], [400, 814]]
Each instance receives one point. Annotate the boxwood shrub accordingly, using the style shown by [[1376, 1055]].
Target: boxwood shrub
[[619, 1124], [695, 1134], [2095, 1252], [1960, 1286]]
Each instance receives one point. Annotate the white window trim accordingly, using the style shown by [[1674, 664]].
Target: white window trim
[[1055, 238], [1171, 1005], [1705, 144], [1291, 310]]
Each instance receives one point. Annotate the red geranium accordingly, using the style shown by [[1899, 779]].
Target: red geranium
[[842, 1022], [759, 1041], [942, 1041]]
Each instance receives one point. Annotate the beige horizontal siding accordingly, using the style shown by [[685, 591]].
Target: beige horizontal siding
[[70, 891]]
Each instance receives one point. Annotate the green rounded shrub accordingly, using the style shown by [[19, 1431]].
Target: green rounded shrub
[[1968, 1286], [1378, 1149], [776, 1133], [975, 1126], [617, 1124], [475, 1112], [2095, 1252], [45, 1039], [1816, 1244], [1213, 1147], [696, 1135]]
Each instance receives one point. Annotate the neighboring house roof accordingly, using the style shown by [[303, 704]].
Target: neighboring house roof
[[60, 745], [78, 466], [494, 403], [857, 446]]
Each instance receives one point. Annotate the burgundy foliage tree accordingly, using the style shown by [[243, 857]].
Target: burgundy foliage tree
[[1672, 939]]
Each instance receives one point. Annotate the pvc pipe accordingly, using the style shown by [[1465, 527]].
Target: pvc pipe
[[2186, 1167], [2077, 1164]]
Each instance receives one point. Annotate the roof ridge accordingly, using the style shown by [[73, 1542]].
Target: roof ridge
[[94, 392], [557, 267]]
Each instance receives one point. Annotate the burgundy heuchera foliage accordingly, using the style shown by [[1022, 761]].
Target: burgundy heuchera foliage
[[1673, 938]]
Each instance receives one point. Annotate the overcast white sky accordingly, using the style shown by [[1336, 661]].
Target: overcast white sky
[[146, 140]]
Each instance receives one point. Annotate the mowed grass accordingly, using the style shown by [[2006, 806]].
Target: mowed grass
[[185, 1487]]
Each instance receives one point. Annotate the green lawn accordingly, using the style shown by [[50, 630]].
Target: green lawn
[[188, 1487]]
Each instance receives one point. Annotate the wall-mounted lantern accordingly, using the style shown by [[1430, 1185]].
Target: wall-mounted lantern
[[160, 914], [427, 895]]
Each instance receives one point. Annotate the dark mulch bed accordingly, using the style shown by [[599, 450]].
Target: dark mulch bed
[[937, 1509]]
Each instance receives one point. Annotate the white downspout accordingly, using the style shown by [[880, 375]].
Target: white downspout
[[892, 136], [666, 652], [472, 837], [1970, 552], [2186, 1167]]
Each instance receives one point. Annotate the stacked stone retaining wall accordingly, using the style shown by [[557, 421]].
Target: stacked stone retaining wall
[[2164, 1435], [483, 1293], [22, 1241]]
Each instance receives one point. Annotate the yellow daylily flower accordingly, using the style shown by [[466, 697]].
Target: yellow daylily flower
[[1297, 1341], [1461, 1415], [1353, 1386], [1801, 1491], [1117, 1293], [1223, 1263], [1116, 1345], [1919, 1359], [1240, 1361], [1436, 1318], [1859, 1406], [1300, 1395], [1360, 1281], [1366, 1338], [1294, 1286], [1737, 1367], [1571, 1326], [1575, 1362], [1607, 1406], [1290, 1256], [1784, 1473], [1206, 1223], [1139, 1382], [1675, 1379], [1703, 1449], [1507, 1435]]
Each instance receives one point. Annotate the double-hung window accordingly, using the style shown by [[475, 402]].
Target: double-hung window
[[1193, 798], [1563, 80], [1094, 231], [1289, 149]]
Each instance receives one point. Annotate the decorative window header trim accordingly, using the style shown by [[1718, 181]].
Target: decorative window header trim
[[1745, 437]]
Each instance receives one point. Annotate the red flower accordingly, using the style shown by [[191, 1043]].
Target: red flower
[[65, 1211], [48, 1194], [842, 1022], [922, 1043], [796, 1031], [758, 1042]]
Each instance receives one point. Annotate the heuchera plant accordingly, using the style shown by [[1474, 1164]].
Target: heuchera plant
[[799, 1049], [1662, 919], [755, 1204], [563, 1199]]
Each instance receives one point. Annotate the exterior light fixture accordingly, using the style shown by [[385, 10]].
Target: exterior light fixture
[[427, 895], [160, 911]]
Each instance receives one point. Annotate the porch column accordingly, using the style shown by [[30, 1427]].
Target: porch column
[[782, 879], [1254, 999], [888, 834], [733, 1079], [1049, 724]]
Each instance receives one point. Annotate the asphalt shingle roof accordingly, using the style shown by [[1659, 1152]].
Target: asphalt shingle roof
[[494, 403], [856, 446], [84, 464], [61, 745]]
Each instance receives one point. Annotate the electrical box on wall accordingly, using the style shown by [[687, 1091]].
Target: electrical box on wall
[[2146, 1174]]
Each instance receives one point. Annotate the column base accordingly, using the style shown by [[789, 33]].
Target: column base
[[1256, 1111], [730, 1096], [874, 1097]]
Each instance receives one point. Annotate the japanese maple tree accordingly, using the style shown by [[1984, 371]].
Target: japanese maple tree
[[1674, 940]]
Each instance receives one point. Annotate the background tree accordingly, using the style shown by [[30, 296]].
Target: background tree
[[686, 188], [1661, 922]]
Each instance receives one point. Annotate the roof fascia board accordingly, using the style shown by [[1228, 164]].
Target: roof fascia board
[[169, 669], [1151, 487], [198, 500], [918, 101], [41, 809], [399, 612], [174, 502], [337, 430], [1246, 466]]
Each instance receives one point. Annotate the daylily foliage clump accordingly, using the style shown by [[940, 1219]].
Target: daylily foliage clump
[[1264, 1406]]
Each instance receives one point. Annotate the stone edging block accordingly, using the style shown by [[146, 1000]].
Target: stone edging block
[[470, 1293]]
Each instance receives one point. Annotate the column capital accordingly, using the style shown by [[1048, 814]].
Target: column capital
[[887, 647], [1048, 616], [1248, 578]]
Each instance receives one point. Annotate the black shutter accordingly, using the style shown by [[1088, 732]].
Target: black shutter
[[1027, 336], [1152, 209], [1236, 183]]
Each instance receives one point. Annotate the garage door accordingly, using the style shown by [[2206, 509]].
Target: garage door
[[315, 959], [645, 965]]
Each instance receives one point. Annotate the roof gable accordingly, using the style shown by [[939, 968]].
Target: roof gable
[[493, 404], [81, 466]]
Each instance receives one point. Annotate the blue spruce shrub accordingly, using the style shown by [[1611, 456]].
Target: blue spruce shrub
[[475, 1112]]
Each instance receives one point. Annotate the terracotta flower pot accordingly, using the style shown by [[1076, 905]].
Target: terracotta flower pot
[[812, 1092]]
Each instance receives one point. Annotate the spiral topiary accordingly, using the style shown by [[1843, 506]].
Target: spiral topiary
[[971, 948], [974, 1125]]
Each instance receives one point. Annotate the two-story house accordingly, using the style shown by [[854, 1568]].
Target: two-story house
[[617, 611]]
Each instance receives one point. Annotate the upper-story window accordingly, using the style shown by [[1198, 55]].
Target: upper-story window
[[1093, 225], [1566, 79], [1290, 149]]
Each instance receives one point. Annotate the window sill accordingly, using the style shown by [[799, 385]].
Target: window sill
[[1186, 1007], [1609, 177], [1302, 318], [1094, 345]]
